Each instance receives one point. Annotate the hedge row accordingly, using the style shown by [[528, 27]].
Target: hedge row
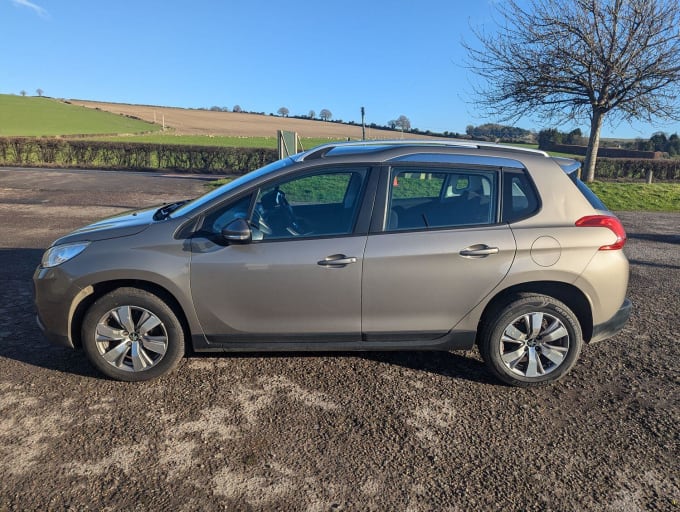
[[620, 168], [19, 151], [601, 152]]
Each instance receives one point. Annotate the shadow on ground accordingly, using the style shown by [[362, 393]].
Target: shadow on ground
[[656, 237], [22, 340]]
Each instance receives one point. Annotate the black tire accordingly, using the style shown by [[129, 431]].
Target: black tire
[[132, 335], [517, 345]]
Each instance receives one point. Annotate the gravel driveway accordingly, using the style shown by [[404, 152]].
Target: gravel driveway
[[378, 431]]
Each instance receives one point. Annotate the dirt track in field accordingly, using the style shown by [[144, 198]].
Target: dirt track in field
[[401, 431], [205, 122]]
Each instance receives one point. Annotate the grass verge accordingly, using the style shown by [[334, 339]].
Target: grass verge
[[209, 140], [657, 197]]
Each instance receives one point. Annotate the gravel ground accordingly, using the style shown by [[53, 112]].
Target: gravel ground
[[378, 431]]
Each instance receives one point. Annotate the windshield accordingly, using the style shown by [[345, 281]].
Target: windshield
[[200, 201]]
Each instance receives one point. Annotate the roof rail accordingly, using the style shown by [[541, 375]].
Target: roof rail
[[321, 151]]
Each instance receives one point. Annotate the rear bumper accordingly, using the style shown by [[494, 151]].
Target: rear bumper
[[614, 324]]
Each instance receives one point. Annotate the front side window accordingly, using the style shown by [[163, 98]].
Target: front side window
[[314, 205], [423, 199], [221, 218]]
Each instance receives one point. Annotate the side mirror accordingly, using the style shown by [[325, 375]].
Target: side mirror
[[237, 232]]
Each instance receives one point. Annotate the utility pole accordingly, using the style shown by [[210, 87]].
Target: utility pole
[[363, 124]]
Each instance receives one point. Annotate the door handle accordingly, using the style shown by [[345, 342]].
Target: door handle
[[479, 251], [337, 261]]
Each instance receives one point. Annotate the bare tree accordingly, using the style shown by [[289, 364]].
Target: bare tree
[[39, 91], [403, 123], [325, 114], [22, 92], [311, 114], [581, 60], [283, 111], [237, 109]]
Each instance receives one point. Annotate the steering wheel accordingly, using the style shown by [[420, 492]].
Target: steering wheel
[[276, 214]]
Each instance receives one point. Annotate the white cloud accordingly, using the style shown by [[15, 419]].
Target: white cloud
[[25, 3]]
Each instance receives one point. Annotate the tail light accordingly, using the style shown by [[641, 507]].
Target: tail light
[[609, 222]]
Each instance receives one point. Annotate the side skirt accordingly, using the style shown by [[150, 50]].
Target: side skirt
[[458, 340]]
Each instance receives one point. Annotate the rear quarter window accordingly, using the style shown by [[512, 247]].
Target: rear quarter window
[[519, 197]]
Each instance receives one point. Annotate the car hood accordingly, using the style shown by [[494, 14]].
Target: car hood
[[124, 224]]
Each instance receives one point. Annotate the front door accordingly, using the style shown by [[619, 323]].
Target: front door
[[300, 280]]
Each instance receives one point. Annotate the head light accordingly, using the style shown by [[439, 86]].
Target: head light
[[61, 253]]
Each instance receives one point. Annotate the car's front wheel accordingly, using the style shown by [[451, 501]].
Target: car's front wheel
[[530, 340], [130, 334]]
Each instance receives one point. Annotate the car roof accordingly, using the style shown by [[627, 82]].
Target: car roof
[[385, 150]]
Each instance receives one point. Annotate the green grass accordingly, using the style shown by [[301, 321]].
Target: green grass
[[34, 117], [551, 153], [657, 197], [207, 140]]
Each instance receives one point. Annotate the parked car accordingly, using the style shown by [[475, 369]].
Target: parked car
[[408, 245]]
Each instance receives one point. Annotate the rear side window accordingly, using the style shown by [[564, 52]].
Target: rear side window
[[594, 201], [441, 198], [519, 197]]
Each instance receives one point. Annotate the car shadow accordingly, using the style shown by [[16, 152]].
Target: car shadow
[[656, 237], [21, 339], [456, 365], [447, 364]]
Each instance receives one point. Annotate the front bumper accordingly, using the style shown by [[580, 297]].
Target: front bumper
[[614, 324], [54, 337], [55, 298]]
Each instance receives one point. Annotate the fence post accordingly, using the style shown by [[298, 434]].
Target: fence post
[[649, 176]]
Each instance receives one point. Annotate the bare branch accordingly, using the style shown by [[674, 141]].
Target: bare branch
[[582, 59]]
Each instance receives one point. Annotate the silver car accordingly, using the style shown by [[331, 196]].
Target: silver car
[[408, 245]]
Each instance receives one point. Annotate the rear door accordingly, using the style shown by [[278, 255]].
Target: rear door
[[441, 250]]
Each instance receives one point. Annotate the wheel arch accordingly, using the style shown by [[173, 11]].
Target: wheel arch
[[569, 294], [101, 289]]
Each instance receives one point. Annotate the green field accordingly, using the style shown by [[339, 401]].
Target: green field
[[657, 197], [551, 153], [35, 117], [241, 142], [209, 140]]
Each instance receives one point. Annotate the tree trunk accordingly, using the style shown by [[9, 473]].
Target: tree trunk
[[593, 144]]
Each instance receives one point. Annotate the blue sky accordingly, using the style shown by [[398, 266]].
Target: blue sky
[[393, 57]]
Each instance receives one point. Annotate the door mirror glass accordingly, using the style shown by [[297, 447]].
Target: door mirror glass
[[237, 232]]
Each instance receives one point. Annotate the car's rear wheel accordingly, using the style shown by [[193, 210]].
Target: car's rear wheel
[[530, 340], [132, 335]]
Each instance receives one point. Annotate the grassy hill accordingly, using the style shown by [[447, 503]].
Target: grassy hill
[[31, 116]]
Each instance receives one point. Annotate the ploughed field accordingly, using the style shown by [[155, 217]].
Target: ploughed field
[[206, 122], [375, 431]]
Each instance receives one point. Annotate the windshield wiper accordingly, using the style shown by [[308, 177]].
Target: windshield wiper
[[165, 210]]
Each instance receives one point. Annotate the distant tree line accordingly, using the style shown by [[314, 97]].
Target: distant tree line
[[659, 141], [499, 132], [549, 136]]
